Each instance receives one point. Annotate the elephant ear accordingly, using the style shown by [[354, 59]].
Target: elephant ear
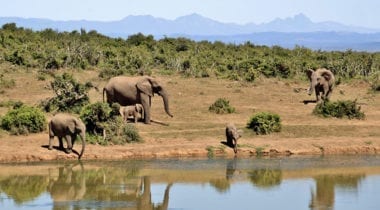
[[327, 75], [71, 126], [309, 73], [145, 86]]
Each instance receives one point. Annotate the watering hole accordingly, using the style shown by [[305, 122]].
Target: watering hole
[[311, 182]]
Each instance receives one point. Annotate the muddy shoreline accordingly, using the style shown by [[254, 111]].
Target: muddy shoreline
[[33, 148]]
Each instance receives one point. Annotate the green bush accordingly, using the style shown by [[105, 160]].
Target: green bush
[[339, 109], [119, 132], [24, 120], [221, 106], [70, 95], [101, 119], [265, 123], [94, 116]]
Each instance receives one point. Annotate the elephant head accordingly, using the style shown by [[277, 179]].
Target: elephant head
[[147, 87], [80, 129], [321, 81]]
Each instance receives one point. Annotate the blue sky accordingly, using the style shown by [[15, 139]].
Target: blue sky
[[351, 12]]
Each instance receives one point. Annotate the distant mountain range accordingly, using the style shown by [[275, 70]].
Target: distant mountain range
[[288, 32]]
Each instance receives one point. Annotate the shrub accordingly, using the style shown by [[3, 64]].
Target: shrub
[[101, 119], [24, 120], [94, 116], [339, 109], [119, 132], [265, 123], [70, 95], [221, 106]]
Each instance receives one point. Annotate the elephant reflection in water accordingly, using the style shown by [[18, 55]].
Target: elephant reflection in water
[[223, 184], [69, 186], [324, 197], [144, 201]]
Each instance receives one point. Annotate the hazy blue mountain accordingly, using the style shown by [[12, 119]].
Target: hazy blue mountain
[[287, 32], [314, 40]]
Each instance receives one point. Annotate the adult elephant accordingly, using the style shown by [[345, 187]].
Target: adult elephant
[[135, 90], [322, 82], [67, 126]]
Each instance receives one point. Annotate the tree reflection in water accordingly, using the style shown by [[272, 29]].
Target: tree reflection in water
[[324, 197], [265, 178], [23, 188]]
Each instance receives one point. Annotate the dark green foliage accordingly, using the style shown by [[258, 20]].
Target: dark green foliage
[[50, 49], [94, 116], [101, 119], [221, 106], [24, 120], [339, 109], [70, 95], [265, 123]]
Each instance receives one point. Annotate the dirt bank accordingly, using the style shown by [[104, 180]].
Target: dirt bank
[[34, 148]]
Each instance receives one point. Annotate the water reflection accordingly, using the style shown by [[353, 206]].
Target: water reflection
[[324, 196], [69, 186], [133, 184], [23, 188]]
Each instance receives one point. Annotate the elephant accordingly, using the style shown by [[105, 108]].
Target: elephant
[[135, 90], [232, 135], [322, 82], [136, 111], [67, 126]]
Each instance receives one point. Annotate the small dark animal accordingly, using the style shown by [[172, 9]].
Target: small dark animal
[[232, 135]]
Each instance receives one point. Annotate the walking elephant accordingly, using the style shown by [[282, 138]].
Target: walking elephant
[[322, 82], [136, 111], [67, 126], [135, 90]]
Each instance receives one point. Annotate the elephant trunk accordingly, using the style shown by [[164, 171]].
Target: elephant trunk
[[164, 96], [83, 138]]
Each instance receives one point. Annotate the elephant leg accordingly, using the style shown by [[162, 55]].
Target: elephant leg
[[136, 116], [60, 140], [317, 96], [235, 145], [69, 144], [51, 139], [328, 92], [145, 101]]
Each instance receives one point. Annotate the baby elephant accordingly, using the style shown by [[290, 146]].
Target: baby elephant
[[68, 127], [136, 111], [232, 135]]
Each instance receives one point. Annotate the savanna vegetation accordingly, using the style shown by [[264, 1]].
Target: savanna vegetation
[[50, 50], [185, 65]]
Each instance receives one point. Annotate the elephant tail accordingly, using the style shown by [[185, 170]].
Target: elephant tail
[[104, 90]]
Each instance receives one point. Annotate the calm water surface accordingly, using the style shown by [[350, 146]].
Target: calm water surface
[[332, 182]]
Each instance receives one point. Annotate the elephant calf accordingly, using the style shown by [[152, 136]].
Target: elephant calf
[[68, 127], [136, 111], [232, 135]]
